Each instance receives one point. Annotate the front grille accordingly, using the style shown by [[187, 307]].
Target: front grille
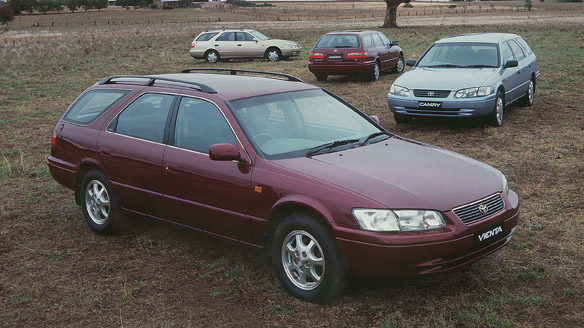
[[471, 212], [431, 93]]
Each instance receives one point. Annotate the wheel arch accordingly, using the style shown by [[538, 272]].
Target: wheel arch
[[81, 171]]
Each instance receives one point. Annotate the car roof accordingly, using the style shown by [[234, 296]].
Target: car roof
[[228, 30], [479, 37], [361, 32], [233, 87]]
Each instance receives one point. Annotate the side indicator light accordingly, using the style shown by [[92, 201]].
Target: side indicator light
[[257, 189]]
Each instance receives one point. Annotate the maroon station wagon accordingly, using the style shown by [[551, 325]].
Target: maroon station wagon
[[355, 52], [281, 165]]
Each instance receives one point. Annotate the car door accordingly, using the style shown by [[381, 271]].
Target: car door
[[382, 50], [247, 46], [511, 75], [209, 195], [131, 151], [226, 45], [393, 52], [523, 70]]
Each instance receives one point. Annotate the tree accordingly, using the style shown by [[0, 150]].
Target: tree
[[6, 15], [71, 5], [100, 4], [391, 12]]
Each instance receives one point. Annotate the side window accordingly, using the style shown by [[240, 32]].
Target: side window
[[506, 52], [242, 36], [199, 124], [516, 50], [89, 107], [384, 39], [367, 41], [227, 36], [524, 45], [205, 36], [377, 40], [146, 117]]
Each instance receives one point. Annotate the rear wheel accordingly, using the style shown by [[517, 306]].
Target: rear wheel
[[321, 77], [98, 203], [530, 94], [496, 118], [307, 259], [273, 54], [402, 119], [212, 56], [374, 75], [399, 66]]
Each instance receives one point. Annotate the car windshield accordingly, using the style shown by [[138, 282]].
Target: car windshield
[[330, 41], [303, 123], [259, 35], [467, 55]]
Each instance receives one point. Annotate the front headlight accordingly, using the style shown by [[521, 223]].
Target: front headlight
[[505, 185], [398, 220], [291, 45], [473, 92], [399, 90]]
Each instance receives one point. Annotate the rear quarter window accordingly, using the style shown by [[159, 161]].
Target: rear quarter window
[[524, 45], [206, 36], [92, 104]]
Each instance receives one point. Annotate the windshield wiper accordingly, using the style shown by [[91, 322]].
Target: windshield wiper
[[329, 145], [443, 65], [363, 140], [479, 66]]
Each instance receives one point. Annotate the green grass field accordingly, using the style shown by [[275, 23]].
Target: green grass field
[[55, 272]]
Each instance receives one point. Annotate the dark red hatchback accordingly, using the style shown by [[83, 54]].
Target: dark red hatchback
[[280, 165], [355, 52]]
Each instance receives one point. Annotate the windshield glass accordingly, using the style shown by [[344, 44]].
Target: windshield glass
[[290, 124], [461, 55], [330, 41], [260, 35]]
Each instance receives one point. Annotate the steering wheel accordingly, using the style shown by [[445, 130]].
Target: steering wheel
[[262, 137]]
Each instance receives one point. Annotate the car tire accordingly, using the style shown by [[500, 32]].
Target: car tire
[[212, 56], [308, 260], [321, 77], [402, 119], [273, 54], [374, 75], [400, 65], [99, 203], [496, 118], [529, 97]]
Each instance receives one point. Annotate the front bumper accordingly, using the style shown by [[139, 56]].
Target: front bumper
[[451, 107], [288, 52], [409, 254]]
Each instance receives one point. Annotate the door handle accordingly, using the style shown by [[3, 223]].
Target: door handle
[[216, 45], [239, 45], [172, 168], [105, 151]]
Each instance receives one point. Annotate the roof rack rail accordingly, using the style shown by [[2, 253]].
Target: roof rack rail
[[235, 71], [152, 79]]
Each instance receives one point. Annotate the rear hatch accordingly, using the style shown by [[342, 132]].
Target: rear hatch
[[338, 49]]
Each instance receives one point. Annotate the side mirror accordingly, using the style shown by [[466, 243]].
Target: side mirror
[[375, 118], [411, 62], [511, 63], [395, 43], [224, 152]]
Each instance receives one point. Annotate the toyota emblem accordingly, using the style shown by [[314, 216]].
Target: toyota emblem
[[483, 208], [430, 93]]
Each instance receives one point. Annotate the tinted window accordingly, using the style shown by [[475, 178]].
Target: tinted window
[[377, 40], [338, 41], [506, 52], [241, 36], [524, 46], [227, 36], [516, 50], [367, 41], [384, 39], [199, 124], [206, 36], [89, 107], [461, 55], [146, 117]]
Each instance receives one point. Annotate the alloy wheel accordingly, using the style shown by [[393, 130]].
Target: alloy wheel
[[97, 202], [303, 260]]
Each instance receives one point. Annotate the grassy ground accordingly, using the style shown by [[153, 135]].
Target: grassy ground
[[55, 272]]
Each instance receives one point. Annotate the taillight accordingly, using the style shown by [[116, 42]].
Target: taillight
[[193, 45], [353, 55], [54, 139], [316, 55]]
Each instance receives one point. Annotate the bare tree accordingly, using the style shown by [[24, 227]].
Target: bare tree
[[391, 12], [6, 15]]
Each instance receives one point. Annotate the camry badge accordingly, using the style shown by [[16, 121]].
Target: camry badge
[[430, 93], [483, 208]]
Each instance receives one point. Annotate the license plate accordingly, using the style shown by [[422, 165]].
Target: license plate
[[489, 234], [335, 57], [430, 104]]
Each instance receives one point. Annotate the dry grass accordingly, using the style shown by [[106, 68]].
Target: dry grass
[[55, 272]]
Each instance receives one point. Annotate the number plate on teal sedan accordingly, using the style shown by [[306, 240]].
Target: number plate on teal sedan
[[429, 105]]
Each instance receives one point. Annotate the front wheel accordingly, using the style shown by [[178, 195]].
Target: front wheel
[[399, 66], [496, 118], [273, 54], [307, 259], [98, 203]]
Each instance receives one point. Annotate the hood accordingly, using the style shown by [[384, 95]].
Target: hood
[[444, 78], [403, 174]]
